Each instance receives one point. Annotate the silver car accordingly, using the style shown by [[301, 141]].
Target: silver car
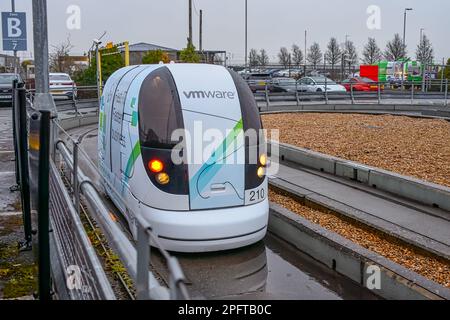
[[319, 84]]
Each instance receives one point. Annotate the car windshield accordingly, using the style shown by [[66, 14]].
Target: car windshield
[[59, 77], [366, 80], [7, 78], [321, 80]]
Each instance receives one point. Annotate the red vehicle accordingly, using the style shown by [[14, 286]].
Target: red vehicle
[[361, 84]]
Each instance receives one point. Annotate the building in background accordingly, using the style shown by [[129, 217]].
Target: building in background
[[7, 63], [139, 50]]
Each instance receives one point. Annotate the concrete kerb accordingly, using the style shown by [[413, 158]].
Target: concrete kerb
[[407, 187], [417, 111], [350, 259]]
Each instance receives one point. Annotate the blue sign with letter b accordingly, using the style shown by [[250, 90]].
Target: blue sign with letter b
[[14, 30]]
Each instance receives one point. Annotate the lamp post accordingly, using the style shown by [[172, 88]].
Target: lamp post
[[404, 25], [246, 37], [404, 43]]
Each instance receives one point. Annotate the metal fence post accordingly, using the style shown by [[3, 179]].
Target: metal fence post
[[267, 97], [351, 93], [43, 208], [446, 92], [296, 93], [24, 168], [412, 92], [74, 100], [379, 92], [14, 100], [76, 190], [143, 262], [326, 90]]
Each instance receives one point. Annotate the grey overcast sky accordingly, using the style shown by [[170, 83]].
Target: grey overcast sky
[[272, 23]]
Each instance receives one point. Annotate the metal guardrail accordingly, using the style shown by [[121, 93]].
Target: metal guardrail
[[413, 92], [135, 260], [76, 270], [77, 257]]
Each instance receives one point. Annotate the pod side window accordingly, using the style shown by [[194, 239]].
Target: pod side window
[[159, 110]]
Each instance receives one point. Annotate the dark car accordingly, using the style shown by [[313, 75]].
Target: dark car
[[284, 85], [258, 81], [6, 82]]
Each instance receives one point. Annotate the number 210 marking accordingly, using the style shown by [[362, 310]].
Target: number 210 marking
[[257, 195]]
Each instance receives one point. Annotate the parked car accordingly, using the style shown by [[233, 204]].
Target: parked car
[[284, 85], [62, 85], [318, 84], [361, 84], [258, 81], [292, 73], [6, 83]]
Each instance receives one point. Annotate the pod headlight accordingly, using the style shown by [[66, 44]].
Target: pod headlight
[[163, 178], [261, 172], [263, 159]]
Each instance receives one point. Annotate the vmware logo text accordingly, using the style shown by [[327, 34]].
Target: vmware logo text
[[209, 94]]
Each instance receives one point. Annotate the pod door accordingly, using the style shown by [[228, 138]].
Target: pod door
[[215, 139]]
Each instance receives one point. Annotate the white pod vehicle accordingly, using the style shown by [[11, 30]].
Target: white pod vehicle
[[203, 190]]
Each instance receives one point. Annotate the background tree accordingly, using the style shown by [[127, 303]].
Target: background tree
[[283, 57], [314, 55], [58, 61], [297, 55], [371, 53], [253, 58], [425, 52], [111, 61], [351, 53], [189, 54], [155, 57], [395, 50], [333, 54], [263, 58]]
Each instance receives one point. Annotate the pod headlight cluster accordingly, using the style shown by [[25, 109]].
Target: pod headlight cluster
[[261, 172], [157, 166]]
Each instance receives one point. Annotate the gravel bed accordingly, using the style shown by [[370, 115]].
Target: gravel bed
[[431, 267], [410, 146]]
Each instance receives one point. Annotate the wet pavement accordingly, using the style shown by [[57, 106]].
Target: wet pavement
[[268, 270], [17, 269]]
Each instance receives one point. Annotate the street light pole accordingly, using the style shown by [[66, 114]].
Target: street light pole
[[246, 36], [404, 44], [404, 25]]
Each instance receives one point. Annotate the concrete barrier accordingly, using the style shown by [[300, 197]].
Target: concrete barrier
[[427, 193], [352, 260]]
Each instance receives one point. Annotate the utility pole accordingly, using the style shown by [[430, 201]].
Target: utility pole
[[246, 37], [201, 32], [44, 103], [190, 22], [421, 34], [306, 34], [40, 33]]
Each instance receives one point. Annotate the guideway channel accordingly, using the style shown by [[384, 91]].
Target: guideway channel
[[270, 269]]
